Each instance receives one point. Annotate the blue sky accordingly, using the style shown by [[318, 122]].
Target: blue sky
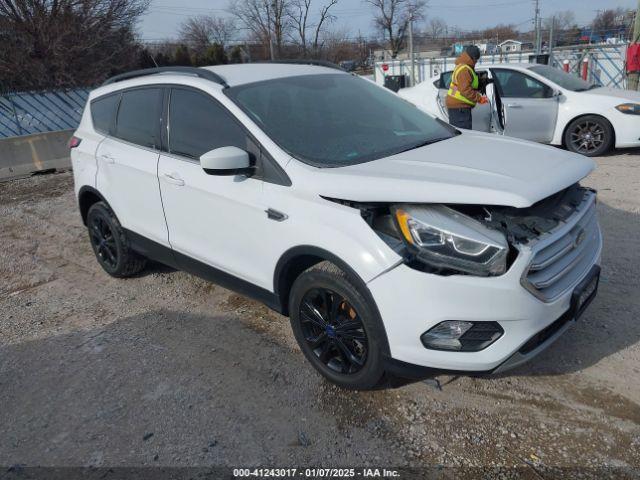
[[165, 16]]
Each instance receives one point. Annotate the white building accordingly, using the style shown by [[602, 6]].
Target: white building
[[510, 46], [487, 48]]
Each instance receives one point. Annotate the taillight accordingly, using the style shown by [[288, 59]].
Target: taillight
[[74, 142]]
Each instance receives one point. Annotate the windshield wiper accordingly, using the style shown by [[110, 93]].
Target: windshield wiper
[[425, 143], [590, 87]]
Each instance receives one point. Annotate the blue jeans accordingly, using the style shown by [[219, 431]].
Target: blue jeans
[[460, 117]]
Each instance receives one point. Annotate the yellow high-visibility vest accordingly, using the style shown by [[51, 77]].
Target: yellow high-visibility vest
[[453, 87]]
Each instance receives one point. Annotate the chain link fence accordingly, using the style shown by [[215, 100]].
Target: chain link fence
[[606, 63]]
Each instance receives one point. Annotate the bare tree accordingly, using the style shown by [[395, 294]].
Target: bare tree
[[325, 17], [300, 15], [500, 33], [66, 43], [267, 20], [202, 31], [436, 28], [392, 19], [561, 21], [363, 50], [607, 20], [280, 22], [337, 45], [254, 15]]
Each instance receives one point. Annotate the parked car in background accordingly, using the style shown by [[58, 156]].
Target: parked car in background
[[546, 105], [397, 245], [349, 65]]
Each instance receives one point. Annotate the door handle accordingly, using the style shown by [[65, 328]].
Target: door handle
[[173, 179], [276, 215], [514, 105], [107, 158]]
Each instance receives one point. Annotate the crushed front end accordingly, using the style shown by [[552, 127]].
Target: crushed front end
[[492, 291]]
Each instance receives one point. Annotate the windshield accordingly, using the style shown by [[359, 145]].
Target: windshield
[[563, 79], [333, 120]]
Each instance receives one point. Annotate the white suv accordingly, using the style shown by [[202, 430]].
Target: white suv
[[398, 245]]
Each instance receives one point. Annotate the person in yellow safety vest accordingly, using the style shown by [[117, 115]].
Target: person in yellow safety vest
[[463, 94]]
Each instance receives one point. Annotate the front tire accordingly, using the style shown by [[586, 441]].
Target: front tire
[[337, 329], [110, 243], [590, 135]]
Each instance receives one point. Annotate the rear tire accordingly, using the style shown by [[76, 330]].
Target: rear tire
[[337, 329], [590, 135], [110, 243]]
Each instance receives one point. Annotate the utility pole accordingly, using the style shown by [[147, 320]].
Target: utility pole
[[633, 77], [271, 55], [636, 25], [537, 25], [413, 63], [553, 24], [539, 35]]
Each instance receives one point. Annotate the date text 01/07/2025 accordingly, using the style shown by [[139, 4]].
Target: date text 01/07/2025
[[329, 473]]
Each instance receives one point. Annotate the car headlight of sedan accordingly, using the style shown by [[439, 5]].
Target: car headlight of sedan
[[446, 239], [629, 108]]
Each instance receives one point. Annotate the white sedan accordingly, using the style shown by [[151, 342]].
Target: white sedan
[[544, 104]]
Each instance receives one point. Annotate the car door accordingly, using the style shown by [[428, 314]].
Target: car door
[[128, 163], [530, 106], [442, 83], [481, 114], [212, 219]]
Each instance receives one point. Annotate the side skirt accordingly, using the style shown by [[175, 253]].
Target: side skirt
[[179, 261]]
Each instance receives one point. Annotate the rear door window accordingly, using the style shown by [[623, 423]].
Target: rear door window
[[103, 111], [445, 80], [139, 117], [197, 124]]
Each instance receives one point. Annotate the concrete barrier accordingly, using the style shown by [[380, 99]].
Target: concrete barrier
[[27, 154]]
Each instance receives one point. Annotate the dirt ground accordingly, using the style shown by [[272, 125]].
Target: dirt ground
[[166, 369]]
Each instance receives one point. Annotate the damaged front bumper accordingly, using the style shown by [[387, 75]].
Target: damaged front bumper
[[411, 302]]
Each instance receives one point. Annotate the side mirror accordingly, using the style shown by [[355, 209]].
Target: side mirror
[[552, 92], [226, 161]]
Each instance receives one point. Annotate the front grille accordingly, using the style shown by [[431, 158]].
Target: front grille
[[564, 256]]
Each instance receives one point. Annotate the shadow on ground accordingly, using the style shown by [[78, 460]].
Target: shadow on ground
[[169, 388], [623, 151]]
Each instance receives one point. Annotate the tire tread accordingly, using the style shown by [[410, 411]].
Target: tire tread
[[131, 262], [378, 378]]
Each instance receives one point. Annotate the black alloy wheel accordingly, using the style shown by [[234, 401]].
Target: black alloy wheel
[[333, 330], [110, 243], [589, 135], [338, 327], [103, 241]]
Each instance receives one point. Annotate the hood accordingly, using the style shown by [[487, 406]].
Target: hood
[[465, 59], [628, 95], [471, 168]]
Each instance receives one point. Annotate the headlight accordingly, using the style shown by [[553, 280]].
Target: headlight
[[443, 238], [629, 108]]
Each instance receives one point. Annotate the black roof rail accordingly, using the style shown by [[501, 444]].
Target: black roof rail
[[196, 71], [305, 61]]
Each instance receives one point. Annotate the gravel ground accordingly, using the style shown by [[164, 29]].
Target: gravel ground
[[165, 369]]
